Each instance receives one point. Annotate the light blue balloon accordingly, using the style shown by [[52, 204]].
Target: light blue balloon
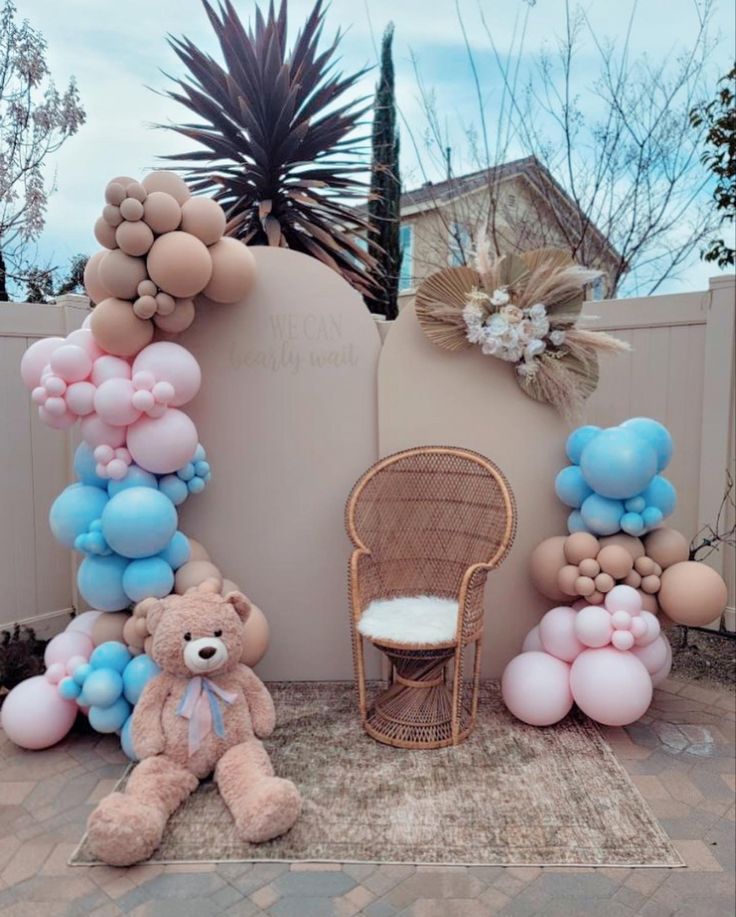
[[126, 739], [81, 672], [148, 577], [85, 466], [577, 441], [632, 524], [103, 687], [187, 472], [138, 672], [174, 488], [139, 522], [661, 494], [135, 477], [177, 551], [635, 504], [109, 719], [69, 689], [202, 468], [570, 486], [618, 463], [656, 434], [652, 517], [576, 523], [100, 580], [73, 510], [196, 485], [601, 515], [110, 655]]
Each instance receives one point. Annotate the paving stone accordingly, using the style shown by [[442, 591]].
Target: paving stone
[[386, 877], [697, 855], [306, 907], [380, 908], [435, 885], [359, 871], [266, 896], [227, 896], [190, 907], [447, 907], [314, 884]]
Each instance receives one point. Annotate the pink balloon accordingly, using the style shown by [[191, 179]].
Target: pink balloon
[[168, 362], [638, 627], [57, 421], [622, 639], [611, 687], [623, 598], [659, 676], [621, 620], [36, 358], [593, 626], [653, 656], [83, 624], [55, 672], [34, 716], [65, 645], [109, 367], [95, 432], [84, 338], [532, 642], [70, 362], [163, 444], [536, 688], [557, 633], [113, 402], [80, 398], [652, 630]]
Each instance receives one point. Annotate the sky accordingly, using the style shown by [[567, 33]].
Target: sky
[[117, 52]]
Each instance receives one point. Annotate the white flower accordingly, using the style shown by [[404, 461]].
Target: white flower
[[534, 349], [540, 326], [491, 346], [537, 311], [497, 324], [500, 297], [557, 338]]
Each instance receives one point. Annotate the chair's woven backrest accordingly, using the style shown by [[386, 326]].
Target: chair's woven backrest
[[427, 514]]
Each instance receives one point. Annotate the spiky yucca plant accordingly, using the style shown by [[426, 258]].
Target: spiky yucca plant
[[280, 150]]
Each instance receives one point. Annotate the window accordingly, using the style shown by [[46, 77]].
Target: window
[[459, 245], [406, 243]]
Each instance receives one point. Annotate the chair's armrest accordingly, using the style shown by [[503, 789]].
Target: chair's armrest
[[470, 601]]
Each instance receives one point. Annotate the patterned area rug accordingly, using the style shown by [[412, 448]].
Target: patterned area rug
[[511, 795]]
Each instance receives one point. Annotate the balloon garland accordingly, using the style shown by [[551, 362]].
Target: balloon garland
[[140, 456]]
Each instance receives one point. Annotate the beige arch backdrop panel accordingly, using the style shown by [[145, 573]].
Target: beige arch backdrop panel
[[429, 396], [287, 414]]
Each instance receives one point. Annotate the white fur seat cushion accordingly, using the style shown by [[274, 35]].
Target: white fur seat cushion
[[410, 619]]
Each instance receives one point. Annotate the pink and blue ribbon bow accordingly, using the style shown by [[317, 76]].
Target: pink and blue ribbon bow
[[201, 706]]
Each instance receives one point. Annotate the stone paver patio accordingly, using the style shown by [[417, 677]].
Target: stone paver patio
[[681, 757]]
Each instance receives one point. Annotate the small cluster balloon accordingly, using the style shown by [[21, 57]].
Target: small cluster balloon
[[614, 482]]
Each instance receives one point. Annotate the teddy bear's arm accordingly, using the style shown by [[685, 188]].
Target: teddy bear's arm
[[260, 702], [148, 733]]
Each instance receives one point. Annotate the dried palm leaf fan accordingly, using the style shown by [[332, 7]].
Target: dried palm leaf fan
[[522, 309]]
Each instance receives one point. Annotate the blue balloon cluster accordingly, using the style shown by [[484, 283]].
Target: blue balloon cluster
[[614, 482], [110, 685], [191, 479]]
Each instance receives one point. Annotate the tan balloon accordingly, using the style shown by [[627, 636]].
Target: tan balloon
[[604, 582], [632, 544], [96, 290], [118, 330], [145, 306], [109, 626], [255, 637], [584, 585], [169, 182], [589, 567], [229, 586], [547, 559], [567, 579], [105, 234], [667, 546], [233, 271], [148, 645], [179, 264], [122, 273], [633, 579], [580, 545], [692, 593], [179, 320], [136, 192], [132, 635], [134, 238], [595, 598], [112, 215], [615, 560], [649, 602], [131, 209], [147, 288], [644, 566], [197, 551], [203, 218], [193, 573], [114, 193], [650, 584], [165, 304], [162, 212], [122, 180]]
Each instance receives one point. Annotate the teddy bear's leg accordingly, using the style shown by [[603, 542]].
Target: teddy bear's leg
[[127, 827], [263, 806]]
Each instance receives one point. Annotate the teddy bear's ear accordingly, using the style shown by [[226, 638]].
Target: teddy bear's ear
[[153, 615], [240, 603]]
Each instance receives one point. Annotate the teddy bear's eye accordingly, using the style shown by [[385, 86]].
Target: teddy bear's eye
[[187, 636], [218, 633]]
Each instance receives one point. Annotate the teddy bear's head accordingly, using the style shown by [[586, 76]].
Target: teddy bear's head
[[198, 633]]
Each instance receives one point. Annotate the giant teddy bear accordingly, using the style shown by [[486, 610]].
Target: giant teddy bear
[[203, 714]]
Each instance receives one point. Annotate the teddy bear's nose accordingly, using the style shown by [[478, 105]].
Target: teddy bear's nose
[[207, 652]]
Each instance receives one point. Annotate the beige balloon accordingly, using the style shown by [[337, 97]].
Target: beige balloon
[[692, 593], [145, 306], [96, 290], [589, 567], [256, 635], [115, 193], [147, 288], [644, 566], [197, 551], [118, 330], [135, 191], [604, 582], [547, 559], [179, 320], [161, 212], [649, 602], [632, 544], [132, 636], [193, 573], [615, 560], [667, 546], [203, 218], [122, 273], [233, 271], [112, 215], [169, 182], [134, 238], [109, 626], [131, 209], [567, 579], [105, 234], [179, 264], [580, 545]]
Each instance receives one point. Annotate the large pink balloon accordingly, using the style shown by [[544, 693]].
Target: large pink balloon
[[34, 716], [557, 633], [623, 598], [95, 432], [110, 367], [57, 421], [35, 359], [114, 402], [593, 626], [84, 338], [610, 686], [536, 688], [80, 398], [653, 656], [71, 362], [65, 645], [169, 362], [82, 624], [163, 444], [652, 631]]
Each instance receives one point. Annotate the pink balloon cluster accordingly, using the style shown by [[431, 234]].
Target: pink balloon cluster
[[605, 658], [128, 408]]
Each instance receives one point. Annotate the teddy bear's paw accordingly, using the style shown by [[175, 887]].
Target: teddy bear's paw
[[122, 830], [269, 809]]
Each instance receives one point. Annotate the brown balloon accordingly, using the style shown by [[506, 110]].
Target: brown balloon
[[179, 264], [109, 626], [615, 560], [644, 566], [255, 637], [169, 182], [692, 593], [165, 304], [131, 209], [650, 584], [114, 193], [632, 544], [195, 572], [145, 306], [546, 561], [136, 192], [112, 215], [132, 635], [134, 238], [161, 212], [580, 545], [177, 321], [567, 579], [105, 234], [95, 288], [649, 602], [667, 546], [589, 567], [118, 330], [233, 271], [147, 288], [203, 218], [604, 582], [121, 274]]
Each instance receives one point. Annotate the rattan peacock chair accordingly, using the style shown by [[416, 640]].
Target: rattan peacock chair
[[428, 524]]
